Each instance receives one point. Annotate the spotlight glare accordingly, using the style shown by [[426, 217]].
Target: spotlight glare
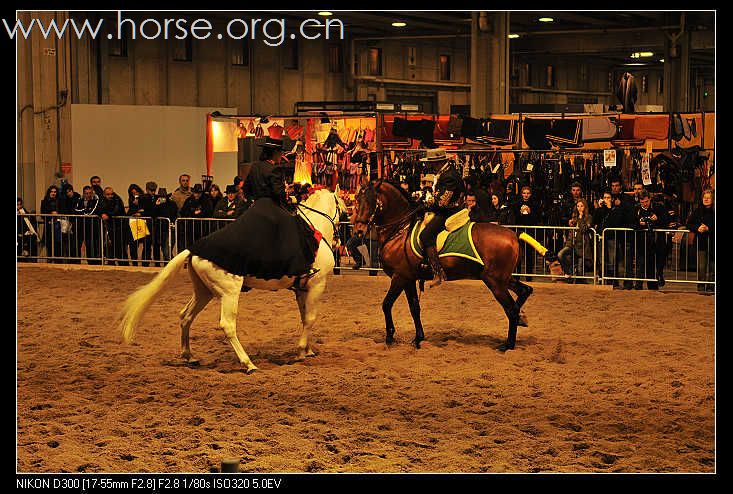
[[399, 24], [546, 19]]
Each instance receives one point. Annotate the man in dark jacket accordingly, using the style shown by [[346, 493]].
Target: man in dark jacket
[[71, 240], [91, 231], [609, 215], [527, 212], [197, 206], [621, 243], [482, 198], [230, 206], [701, 223], [475, 213], [650, 245], [164, 215], [112, 211]]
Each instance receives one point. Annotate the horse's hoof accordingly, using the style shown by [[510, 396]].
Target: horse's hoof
[[191, 362], [251, 370], [504, 347], [303, 353], [416, 342]]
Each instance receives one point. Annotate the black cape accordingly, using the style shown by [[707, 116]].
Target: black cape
[[267, 241]]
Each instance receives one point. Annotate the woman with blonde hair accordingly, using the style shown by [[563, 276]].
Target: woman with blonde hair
[[579, 242]]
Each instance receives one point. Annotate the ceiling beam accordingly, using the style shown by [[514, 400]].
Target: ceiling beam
[[585, 19], [464, 20], [384, 20]]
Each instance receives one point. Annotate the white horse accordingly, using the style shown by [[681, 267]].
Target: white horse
[[210, 280]]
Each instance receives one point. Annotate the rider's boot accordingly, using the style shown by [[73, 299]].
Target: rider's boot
[[432, 254]]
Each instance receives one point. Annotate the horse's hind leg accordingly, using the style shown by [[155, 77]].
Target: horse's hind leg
[[201, 296], [511, 309], [307, 303], [523, 292], [228, 322], [414, 302]]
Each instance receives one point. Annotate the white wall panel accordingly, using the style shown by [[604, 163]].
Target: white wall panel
[[135, 144]]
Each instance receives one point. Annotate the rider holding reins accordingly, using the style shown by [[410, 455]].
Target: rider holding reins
[[267, 241], [448, 191]]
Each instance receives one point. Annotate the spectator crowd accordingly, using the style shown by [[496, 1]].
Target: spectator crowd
[[146, 228]]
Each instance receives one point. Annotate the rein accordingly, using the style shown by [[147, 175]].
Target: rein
[[398, 224], [332, 220]]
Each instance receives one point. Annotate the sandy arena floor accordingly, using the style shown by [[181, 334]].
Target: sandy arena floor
[[601, 381]]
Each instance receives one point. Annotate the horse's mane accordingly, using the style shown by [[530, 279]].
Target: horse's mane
[[416, 214], [315, 196], [399, 189]]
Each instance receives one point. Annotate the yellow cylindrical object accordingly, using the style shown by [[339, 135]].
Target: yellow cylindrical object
[[534, 243]]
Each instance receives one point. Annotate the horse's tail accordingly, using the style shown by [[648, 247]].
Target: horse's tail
[[137, 303], [534, 243]]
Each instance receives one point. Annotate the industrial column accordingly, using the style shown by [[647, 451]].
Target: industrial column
[[489, 63], [677, 70]]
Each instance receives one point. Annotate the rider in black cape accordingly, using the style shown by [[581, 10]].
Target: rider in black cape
[[267, 241]]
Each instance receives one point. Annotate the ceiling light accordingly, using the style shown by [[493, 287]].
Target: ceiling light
[[325, 13], [637, 64], [546, 19], [513, 36], [399, 24], [661, 60], [642, 54]]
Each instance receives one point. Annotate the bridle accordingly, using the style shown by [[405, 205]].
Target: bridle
[[377, 209], [398, 224], [334, 223]]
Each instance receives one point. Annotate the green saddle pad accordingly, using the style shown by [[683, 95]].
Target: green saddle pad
[[457, 243]]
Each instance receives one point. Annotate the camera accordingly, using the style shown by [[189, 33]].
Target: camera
[[648, 222]]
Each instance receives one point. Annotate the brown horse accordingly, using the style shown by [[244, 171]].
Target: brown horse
[[384, 205]]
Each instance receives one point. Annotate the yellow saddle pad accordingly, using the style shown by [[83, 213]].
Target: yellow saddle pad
[[455, 240]]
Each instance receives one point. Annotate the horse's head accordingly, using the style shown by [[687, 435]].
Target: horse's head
[[367, 207], [331, 205]]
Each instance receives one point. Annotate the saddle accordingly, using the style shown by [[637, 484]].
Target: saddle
[[452, 224], [455, 240]]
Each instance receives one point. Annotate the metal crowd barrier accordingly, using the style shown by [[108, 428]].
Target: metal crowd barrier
[[189, 230], [576, 265], [350, 256], [618, 255], [59, 238], [637, 256], [137, 240]]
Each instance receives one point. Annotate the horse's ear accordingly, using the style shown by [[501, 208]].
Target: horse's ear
[[337, 191]]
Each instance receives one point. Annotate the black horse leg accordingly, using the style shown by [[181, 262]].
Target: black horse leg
[[395, 289], [414, 302], [523, 292], [511, 309]]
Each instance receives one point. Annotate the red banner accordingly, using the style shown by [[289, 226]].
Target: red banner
[[209, 143]]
